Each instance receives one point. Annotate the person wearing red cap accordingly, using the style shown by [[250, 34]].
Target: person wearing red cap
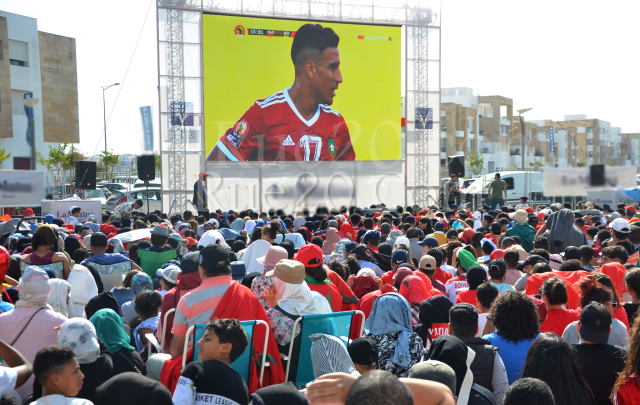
[[28, 213], [200, 195], [317, 279]]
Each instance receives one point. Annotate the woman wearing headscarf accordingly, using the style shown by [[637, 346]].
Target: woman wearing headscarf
[[237, 225], [329, 244], [249, 226], [453, 352], [132, 389], [140, 282], [110, 330], [562, 232], [104, 300], [329, 355], [248, 279], [30, 326], [364, 284], [43, 239], [389, 325], [298, 222], [290, 298], [71, 244], [414, 291], [94, 358], [59, 297], [83, 288], [347, 229], [434, 318]]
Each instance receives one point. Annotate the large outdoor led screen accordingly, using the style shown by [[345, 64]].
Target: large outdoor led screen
[[330, 105]]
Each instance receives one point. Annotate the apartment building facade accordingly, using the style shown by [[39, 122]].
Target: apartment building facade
[[489, 124], [43, 64]]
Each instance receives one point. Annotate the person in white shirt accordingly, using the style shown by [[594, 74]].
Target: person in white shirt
[[485, 295], [124, 209], [15, 369], [523, 203]]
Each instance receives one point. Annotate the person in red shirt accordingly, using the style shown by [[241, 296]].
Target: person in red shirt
[[428, 268], [554, 294], [434, 318], [626, 390], [317, 278], [439, 275], [476, 275], [295, 123]]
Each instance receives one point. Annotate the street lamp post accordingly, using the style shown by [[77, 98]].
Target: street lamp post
[[104, 112], [30, 103], [520, 112]]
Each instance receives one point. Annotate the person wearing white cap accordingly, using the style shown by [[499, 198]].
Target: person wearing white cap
[[168, 277]]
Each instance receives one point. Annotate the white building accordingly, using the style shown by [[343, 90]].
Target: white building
[[45, 65]]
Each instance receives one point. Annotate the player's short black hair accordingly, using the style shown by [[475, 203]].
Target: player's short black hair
[[315, 37]]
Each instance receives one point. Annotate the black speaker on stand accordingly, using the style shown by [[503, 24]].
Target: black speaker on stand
[[85, 175], [456, 166], [146, 172]]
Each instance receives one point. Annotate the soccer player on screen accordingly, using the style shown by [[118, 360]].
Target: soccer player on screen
[[295, 123]]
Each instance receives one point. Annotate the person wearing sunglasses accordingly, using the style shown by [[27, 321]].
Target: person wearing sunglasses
[[595, 289]]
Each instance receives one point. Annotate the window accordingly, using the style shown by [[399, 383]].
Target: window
[[16, 62], [590, 154], [504, 129], [589, 141], [443, 162], [529, 133], [443, 145], [470, 125], [589, 129]]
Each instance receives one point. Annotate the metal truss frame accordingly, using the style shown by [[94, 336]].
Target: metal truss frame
[[422, 138]]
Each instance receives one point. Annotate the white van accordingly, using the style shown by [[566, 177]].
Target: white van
[[515, 185]]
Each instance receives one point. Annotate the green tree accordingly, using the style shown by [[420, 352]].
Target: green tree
[[3, 156], [110, 161], [475, 163], [512, 167], [158, 160]]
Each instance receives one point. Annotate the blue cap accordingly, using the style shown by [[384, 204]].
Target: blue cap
[[238, 270], [453, 207], [368, 235], [430, 241], [399, 256], [348, 247], [439, 224]]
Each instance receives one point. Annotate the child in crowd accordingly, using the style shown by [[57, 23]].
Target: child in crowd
[[486, 293], [147, 305], [168, 278], [211, 379], [364, 354], [57, 369], [497, 272], [74, 214]]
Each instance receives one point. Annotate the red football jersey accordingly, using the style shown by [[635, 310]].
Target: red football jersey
[[272, 129]]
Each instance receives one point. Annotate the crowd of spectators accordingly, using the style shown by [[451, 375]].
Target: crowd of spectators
[[467, 305]]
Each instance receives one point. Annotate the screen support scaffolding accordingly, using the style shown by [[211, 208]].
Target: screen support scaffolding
[[421, 18]]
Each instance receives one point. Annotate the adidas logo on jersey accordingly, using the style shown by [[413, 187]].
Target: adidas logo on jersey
[[288, 141]]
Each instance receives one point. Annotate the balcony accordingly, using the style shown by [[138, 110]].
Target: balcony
[[459, 134], [505, 121], [589, 135], [515, 152], [538, 153]]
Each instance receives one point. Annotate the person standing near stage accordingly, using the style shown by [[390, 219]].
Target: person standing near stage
[[496, 190], [200, 195]]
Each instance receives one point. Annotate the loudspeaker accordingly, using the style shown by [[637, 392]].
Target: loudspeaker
[[85, 175], [146, 167], [456, 165], [596, 175]]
